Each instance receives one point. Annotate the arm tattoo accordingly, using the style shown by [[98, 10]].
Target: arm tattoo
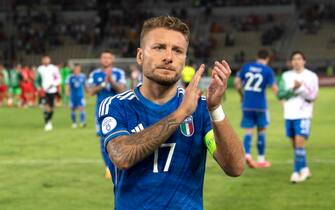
[[126, 151]]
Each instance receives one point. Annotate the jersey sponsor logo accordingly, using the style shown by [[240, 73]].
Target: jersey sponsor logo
[[187, 127], [108, 124]]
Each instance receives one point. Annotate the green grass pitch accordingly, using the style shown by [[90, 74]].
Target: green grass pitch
[[63, 169]]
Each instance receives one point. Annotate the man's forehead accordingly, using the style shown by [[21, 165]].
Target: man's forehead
[[165, 36]]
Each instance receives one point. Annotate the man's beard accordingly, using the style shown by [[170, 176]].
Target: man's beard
[[163, 80]]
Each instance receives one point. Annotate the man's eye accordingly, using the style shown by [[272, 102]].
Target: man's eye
[[158, 48]]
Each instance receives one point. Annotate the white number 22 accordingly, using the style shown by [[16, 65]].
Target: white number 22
[[169, 157], [250, 79]]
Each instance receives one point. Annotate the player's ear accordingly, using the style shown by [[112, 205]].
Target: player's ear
[[139, 56]]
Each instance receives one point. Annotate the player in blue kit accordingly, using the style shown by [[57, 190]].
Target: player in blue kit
[[251, 82], [105, 82], [75, 89], [157, 135]]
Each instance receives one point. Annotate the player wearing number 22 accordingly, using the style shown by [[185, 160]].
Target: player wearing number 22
[[157, 136], [252, 81]]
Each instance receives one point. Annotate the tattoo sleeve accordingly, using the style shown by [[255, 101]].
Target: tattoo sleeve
[[126, 151]]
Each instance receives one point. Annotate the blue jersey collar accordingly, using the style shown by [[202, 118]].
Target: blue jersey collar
[[159, 107]]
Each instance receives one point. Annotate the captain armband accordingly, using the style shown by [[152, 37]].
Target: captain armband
[[210, 142]]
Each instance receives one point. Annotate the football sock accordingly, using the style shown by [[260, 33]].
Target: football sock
[[261, 144], [247, 143], [299, 159], [82, 117], [51, 114], [45, 116], [73, 116]]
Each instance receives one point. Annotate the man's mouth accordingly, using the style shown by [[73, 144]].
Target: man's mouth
[[166, 68]]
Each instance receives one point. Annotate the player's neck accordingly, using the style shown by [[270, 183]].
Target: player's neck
[[262, 61], [299, 70], [156, 93], [107, 68]]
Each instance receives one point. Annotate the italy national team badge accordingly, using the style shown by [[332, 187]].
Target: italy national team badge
[[187, 127]]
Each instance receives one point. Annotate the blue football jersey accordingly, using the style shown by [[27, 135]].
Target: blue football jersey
[[98, 76], [172, 177], [77, 85], [255, 78]]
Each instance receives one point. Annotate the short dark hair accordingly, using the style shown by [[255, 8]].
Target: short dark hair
[[297, 52], [263, 54], [106, 51], [168, 22]]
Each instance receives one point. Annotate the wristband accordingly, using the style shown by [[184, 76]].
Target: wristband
[[217, 114]]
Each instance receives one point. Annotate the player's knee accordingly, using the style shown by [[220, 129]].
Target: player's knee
[[299, 141], [261, 131], [248, 131]]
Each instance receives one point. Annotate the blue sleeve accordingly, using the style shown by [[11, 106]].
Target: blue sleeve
[[121, 77], [91, 80], [271, 77], [241, 73], [111, 119], [207, 123]]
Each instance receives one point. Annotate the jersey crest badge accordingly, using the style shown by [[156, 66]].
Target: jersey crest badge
[[187, 127]]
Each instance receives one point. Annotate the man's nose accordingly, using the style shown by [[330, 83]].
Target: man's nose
[[167, 56]]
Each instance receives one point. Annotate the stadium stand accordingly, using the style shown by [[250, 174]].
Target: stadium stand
[[222, 28]]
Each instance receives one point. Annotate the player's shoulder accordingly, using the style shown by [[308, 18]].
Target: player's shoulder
[[70, 76], [246, 66], [95, 72], [310, 73], [119, 71], [52, 66], [288, 73], [117, 100]]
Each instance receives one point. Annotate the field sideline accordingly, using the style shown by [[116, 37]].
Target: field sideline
[[63, 169]]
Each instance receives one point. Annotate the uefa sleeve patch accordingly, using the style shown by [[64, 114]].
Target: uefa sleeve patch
[[108, 124]]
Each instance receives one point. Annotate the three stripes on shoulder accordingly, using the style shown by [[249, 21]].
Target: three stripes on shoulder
[[104, 106]]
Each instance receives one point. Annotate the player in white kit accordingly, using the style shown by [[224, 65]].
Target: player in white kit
[[49, 76], [298, 89]]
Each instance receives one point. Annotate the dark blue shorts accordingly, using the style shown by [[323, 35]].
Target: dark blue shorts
[[250, 119], [299, 127]]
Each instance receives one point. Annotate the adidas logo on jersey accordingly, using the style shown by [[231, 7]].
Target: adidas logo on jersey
[[138, 128]]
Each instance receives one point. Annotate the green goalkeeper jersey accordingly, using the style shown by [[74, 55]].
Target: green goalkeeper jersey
[[14, 78]]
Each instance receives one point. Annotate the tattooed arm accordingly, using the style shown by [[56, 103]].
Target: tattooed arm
[[126, 151]]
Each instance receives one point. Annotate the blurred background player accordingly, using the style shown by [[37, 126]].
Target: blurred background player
[[251, 82], [14, 90], [3, 84], [105, 82], [65, 72], [27, 86], [50, 79], [298, 89], [187, 75], [136, 76], [75, 89]]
